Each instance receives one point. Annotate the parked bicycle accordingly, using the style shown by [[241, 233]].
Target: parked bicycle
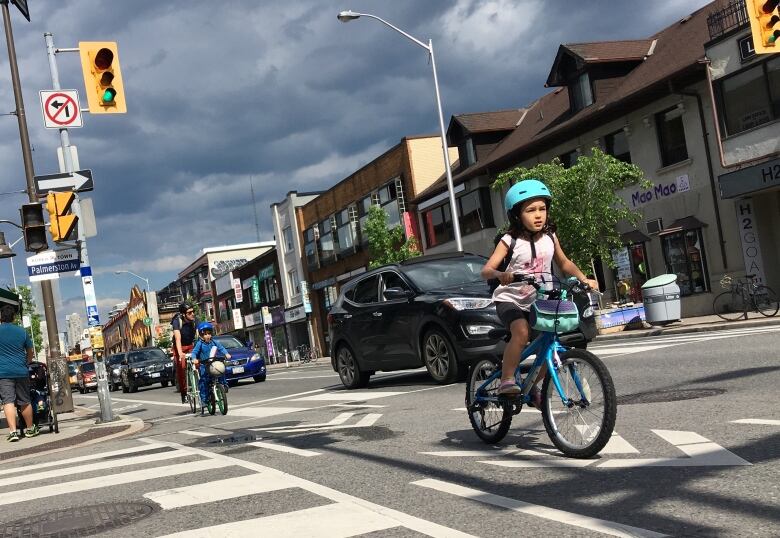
[[579, 406], [306, 354], [743, 296]]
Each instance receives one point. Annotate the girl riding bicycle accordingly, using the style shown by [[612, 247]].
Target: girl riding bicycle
[[535, 247], [204, 349]]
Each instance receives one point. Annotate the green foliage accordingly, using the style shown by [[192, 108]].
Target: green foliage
[[28, 309], [384, 245], [165, 341], [585, 208]]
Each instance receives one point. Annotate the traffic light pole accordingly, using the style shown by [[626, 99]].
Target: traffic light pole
[[50, 315], [104, 396]]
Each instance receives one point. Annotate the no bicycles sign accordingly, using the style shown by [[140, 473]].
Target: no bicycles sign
[[61, 109]]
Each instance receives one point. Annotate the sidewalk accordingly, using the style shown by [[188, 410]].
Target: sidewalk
[[693, 325], [77, 429], [322, 361]]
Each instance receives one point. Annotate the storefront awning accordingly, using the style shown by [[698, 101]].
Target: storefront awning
[[634, 236], [680, 225]]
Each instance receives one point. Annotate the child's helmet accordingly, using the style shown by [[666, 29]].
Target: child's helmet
[[205, 326], [527, 189]]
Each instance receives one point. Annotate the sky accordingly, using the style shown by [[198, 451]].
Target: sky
[[279, 93]]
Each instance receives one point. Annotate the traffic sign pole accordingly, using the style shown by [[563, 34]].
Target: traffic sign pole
[[90, 301]]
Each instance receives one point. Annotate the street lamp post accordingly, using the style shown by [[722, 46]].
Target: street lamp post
[[151, 327], [13, 270], [346, 16]]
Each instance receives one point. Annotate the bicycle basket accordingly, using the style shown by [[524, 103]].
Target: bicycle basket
[[554, 316]]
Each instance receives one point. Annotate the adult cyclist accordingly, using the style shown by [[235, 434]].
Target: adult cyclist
[[183, 340]]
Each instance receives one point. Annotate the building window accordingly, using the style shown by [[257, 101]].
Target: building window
[[671, 136], [438, 225], [616, 144], [476, 212], [684, 255], [751, 97], [363, 207], [388, 202], [288, 239], [269, 290], [581, 94], [329, 295], [327, 251], [310, 246], [471, 156], [292, 279], [569, 159], [345, 233]]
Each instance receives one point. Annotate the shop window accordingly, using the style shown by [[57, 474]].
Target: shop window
[[388, 202], [685, 257], [581, 93], [616, 144], [630, 271], [751, 97], [288, 239], [329, 295], [326, 250], [310, 248], [671, 136], [438, 225], [269, 290], [476, 212], [363, 207]]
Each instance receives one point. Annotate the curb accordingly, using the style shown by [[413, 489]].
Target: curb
[[717, 326]]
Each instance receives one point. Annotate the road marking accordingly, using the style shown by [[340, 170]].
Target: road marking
[[197, 434], [78, 459], [569, 518], [347, 395], [148, 402], [618, 445], [340, 419], [701, 452], [364, 422], [357, 406], [258, 402], [288, 449], [303, 377], [263, 412], [219, 490], [471, 453], [762, 421], [628, 350], [125, 408], [337, 520], [102, 481]]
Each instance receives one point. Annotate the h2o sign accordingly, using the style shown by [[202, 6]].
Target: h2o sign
[[661, 190]]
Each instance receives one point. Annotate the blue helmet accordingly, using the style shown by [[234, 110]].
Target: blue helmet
[[527, 189], [205, 326]]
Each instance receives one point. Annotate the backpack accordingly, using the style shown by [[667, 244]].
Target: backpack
[[493, 283]]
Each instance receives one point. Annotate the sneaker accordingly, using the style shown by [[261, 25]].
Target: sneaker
[[508, 388], [13, 436], [32, 432]]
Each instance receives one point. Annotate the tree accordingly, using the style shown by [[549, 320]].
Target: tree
[[164, 341], [28, 309], [387, 245], [586, 208]]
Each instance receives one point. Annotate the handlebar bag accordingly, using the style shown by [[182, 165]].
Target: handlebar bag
[[554, 316]]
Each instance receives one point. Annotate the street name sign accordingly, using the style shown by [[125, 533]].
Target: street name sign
[[61, 109], [80, 181], [49, 264]]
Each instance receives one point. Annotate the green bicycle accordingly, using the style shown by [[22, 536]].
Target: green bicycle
[[193, 395]]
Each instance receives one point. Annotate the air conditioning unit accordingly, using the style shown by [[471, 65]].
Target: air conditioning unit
[[654, 226]]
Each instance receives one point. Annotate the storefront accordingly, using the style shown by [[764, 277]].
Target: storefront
[[297, 328]]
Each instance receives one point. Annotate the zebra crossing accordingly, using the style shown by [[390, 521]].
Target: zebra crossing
[[336, 514]]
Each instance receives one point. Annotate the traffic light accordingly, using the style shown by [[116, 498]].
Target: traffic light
[[102, 77], [33, 227], [62, 223], [764, 18]]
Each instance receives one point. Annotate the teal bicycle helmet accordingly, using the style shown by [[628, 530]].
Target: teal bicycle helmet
[[527, 189]]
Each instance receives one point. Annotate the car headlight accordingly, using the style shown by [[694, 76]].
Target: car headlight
[[475, 330], [254, 358], [115, 371], [467, 303]]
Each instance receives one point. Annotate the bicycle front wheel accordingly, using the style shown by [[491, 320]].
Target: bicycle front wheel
[[729, 305], [490, 419], [192, 391], [766, 301], [581, 428], [221, 398]]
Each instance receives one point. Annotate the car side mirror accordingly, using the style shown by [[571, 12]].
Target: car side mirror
[[394, 294]]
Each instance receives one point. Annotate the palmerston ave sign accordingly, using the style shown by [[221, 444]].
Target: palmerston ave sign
[[48, 265]]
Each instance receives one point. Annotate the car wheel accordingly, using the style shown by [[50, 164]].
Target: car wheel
[[164, 384], [439, 357], [349, 371], [259, 378]]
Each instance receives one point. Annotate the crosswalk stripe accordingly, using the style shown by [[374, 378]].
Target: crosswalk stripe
[[285, 448], [335, 520], [101, 481], [340, 419], [618, 445], [682, 338], [79, 459], [148, 402], [263, 412], [218, 490], [196, 434]]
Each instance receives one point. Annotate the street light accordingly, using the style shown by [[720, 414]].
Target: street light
[[6, 252], [349, 15], [137, 276]]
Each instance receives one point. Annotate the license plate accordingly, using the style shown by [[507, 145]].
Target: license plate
[[238, 370], [156, 374]]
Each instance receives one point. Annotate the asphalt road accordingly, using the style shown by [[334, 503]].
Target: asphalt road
[[696, 454]]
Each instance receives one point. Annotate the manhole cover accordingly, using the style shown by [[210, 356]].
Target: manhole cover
[[659, 396], [79, 521]]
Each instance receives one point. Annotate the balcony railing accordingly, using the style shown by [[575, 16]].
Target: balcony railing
[[733, 15]]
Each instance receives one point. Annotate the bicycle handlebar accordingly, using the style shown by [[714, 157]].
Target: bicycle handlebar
[[575, 284]]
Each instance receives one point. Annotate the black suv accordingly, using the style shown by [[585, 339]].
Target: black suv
[[434, 311], [145, 366]]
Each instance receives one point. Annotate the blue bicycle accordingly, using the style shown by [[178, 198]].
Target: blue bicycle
[[579, 406]]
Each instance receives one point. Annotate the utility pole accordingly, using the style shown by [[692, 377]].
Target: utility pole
[[254, 207]]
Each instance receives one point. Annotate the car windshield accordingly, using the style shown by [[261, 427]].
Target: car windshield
[[146, 355], [72, 368], [446, 273], [114, 360], [88, 367], [230, 342]]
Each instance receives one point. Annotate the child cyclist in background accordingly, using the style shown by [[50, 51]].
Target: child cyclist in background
[[204, 349], [535, 247]]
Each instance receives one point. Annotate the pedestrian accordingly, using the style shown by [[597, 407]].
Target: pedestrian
[[183, 339], [16, 352], [535, 245]]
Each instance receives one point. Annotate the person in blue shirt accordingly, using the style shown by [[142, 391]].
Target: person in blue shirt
[[205, 348], [16, 352]]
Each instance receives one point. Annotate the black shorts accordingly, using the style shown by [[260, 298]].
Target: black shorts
[[508, 312]]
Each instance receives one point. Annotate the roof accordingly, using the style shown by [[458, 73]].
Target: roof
[[599, 52], [480, 122]]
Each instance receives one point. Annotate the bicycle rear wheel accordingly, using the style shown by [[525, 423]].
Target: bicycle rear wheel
[[766, 301], [729, 305], [490, 419], [582, 429], [221, 398]]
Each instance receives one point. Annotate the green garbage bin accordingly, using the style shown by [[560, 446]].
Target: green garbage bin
[[661, 297]]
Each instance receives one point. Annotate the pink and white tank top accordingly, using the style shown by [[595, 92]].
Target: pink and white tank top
[[523, 295]]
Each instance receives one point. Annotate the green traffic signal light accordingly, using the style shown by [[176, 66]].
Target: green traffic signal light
[[108, 95]]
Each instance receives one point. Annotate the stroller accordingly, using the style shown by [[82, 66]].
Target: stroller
[[40, 398]]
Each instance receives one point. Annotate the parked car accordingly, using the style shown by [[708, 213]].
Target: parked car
[[434, 311], [144, 367], [73, 371], [86, 377], [114, 370], [243, 363]]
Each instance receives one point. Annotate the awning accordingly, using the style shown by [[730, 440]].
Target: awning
[[7, 297], [634, 236], [680, 225]]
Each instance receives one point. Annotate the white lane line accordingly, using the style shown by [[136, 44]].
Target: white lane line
[[471, 453], [403, 519], [338, 520], [258, 402], [197, 434], [347, 395], [108, 480], [340, 419], [569, 518], [364, 422], [539, 463], [628, 350], [762, 421], [218, 490], [147, 402], [263, 412], [685, 338], [525, 409], [78, 459], [618, 445], [356, 406], [288, 449], [302, 377]]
